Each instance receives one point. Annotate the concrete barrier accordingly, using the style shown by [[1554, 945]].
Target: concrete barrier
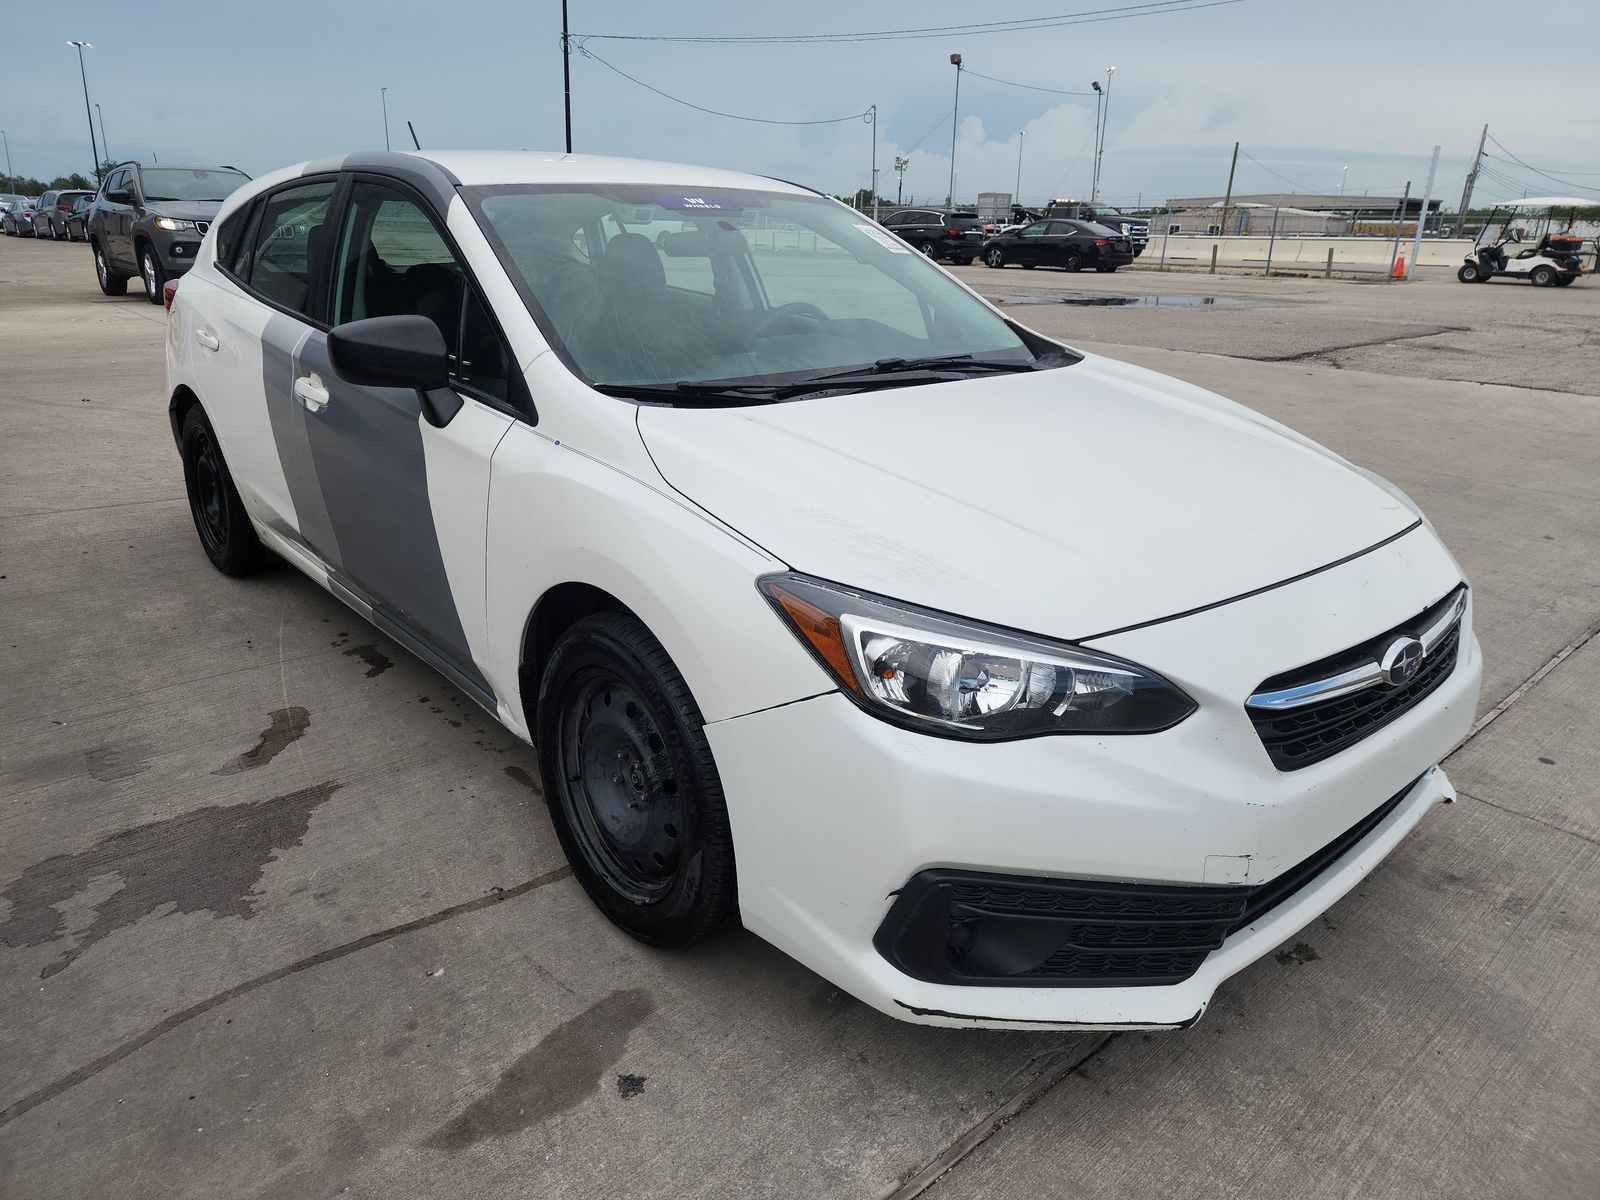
[[1300, 253]]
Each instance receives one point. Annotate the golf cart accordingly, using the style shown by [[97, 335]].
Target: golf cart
[[1554, 262]]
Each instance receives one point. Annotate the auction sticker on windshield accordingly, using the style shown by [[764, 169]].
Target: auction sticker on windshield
[[699, 204], [885, 239]]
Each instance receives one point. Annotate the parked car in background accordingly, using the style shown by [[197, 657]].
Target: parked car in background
[[148, 221], [50, 218], [939, 233], [1135, 229], [77, 221], [759, 550], [17, 220], [1070, 245]]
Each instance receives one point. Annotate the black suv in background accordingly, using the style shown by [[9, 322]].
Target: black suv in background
[[148, 221], [50, 218], [938, 233]]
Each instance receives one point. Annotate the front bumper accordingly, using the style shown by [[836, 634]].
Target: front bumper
[[833, 811]]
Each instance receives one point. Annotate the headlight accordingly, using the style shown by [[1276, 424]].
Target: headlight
[[944, 675], [173, 224]]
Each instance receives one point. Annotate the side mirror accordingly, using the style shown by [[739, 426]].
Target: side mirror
[[397, 352], [119, 197]]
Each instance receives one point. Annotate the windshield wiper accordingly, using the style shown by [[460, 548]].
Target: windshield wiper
[[688, 392], [938, 362]]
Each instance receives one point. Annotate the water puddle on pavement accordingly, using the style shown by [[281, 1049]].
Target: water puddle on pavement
[[1092, 300]]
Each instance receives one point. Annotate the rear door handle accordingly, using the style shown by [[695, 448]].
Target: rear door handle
[[310, 389], [207, 340]]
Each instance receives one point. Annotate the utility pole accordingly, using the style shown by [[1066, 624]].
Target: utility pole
[[383, 94], [11, 178], [566, 72], [1228, 199], [873, 117], [1472, 178], [83, 75], [955, 118], [1399, 227], [1016, 196], [901, 162], [1427, 195]]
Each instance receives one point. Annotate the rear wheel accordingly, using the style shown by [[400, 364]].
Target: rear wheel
[[1542, 276], [154, 277], [111, 283], [632, 787], [220, 519], [1072, 261], [995, 258], [1468, 273], [927, 249]]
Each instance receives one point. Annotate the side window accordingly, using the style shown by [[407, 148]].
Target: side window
[[229, 235], [393, 261], [1063, 228], [1037, 229], [289, 245]]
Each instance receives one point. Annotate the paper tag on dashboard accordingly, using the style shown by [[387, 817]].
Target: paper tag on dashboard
[[885, 239]]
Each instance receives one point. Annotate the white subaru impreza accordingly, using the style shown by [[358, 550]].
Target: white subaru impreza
[[998, 683]]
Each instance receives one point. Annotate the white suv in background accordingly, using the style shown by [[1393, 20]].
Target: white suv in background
[[998, 683]]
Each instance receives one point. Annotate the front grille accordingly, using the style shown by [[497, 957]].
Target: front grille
[[962, 927], [1295, 738]]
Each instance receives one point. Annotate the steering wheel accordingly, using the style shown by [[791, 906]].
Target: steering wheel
[[785, 312]]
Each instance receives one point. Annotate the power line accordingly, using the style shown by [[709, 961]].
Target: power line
[[1530, 167], [936, 125], [1028, 86], [1120, 12], [1297, 186], [587, 53]]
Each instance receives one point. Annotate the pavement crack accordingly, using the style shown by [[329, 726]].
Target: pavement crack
[[1304, 355], [112, 1057], [1528, 816], [1052, 1068]]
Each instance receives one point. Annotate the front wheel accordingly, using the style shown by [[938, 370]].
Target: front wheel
[[1542, 276], [152, 273], [995, 258], [111, 283], [632, 787], [1468, 273], [220, 519]]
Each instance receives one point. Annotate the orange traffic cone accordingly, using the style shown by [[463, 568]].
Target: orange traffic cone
[[1399, 271]]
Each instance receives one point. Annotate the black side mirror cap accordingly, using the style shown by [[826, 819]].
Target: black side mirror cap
[[398, 352], [119, 197]]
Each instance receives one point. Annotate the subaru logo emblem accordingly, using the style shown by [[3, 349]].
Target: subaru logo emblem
[[1401, 661]]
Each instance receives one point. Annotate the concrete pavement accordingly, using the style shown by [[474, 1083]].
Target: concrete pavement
[[281, 913]]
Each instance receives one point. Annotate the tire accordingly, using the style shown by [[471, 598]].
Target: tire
[[1468, 273], [995, 258], [1542, 276], [151, 272], [650, 844], [220, 519], [1072, 261], [111, 283]]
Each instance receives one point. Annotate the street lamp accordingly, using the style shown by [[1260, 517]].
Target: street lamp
[[1342, 174], [83, 75], [955, 116], [1016, 197], [1094, 171], [383, 94], [105, 146], [1094, 195]]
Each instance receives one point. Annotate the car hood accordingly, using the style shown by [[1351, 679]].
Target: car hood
[[1070, 503], [186, 210]]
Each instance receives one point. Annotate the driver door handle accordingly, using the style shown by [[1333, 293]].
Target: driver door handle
[[310, 389], [207, 340]]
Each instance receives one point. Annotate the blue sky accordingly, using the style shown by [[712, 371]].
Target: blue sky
[[1307, 88]]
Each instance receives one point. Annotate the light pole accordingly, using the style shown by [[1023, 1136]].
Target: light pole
[[11, 177], [82, 74], [872, 116], [1342, 175], [1094, 171], [105, 146], [383, 95], [1016, 196], [1104, 121], [955, 117]]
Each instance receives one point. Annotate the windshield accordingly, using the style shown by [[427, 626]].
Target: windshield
[[636, 286], [188, 186]]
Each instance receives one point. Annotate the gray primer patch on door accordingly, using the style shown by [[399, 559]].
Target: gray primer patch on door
[[288, 417]]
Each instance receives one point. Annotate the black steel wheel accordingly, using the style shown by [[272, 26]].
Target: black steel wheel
[[632, 788], [220, 519]]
